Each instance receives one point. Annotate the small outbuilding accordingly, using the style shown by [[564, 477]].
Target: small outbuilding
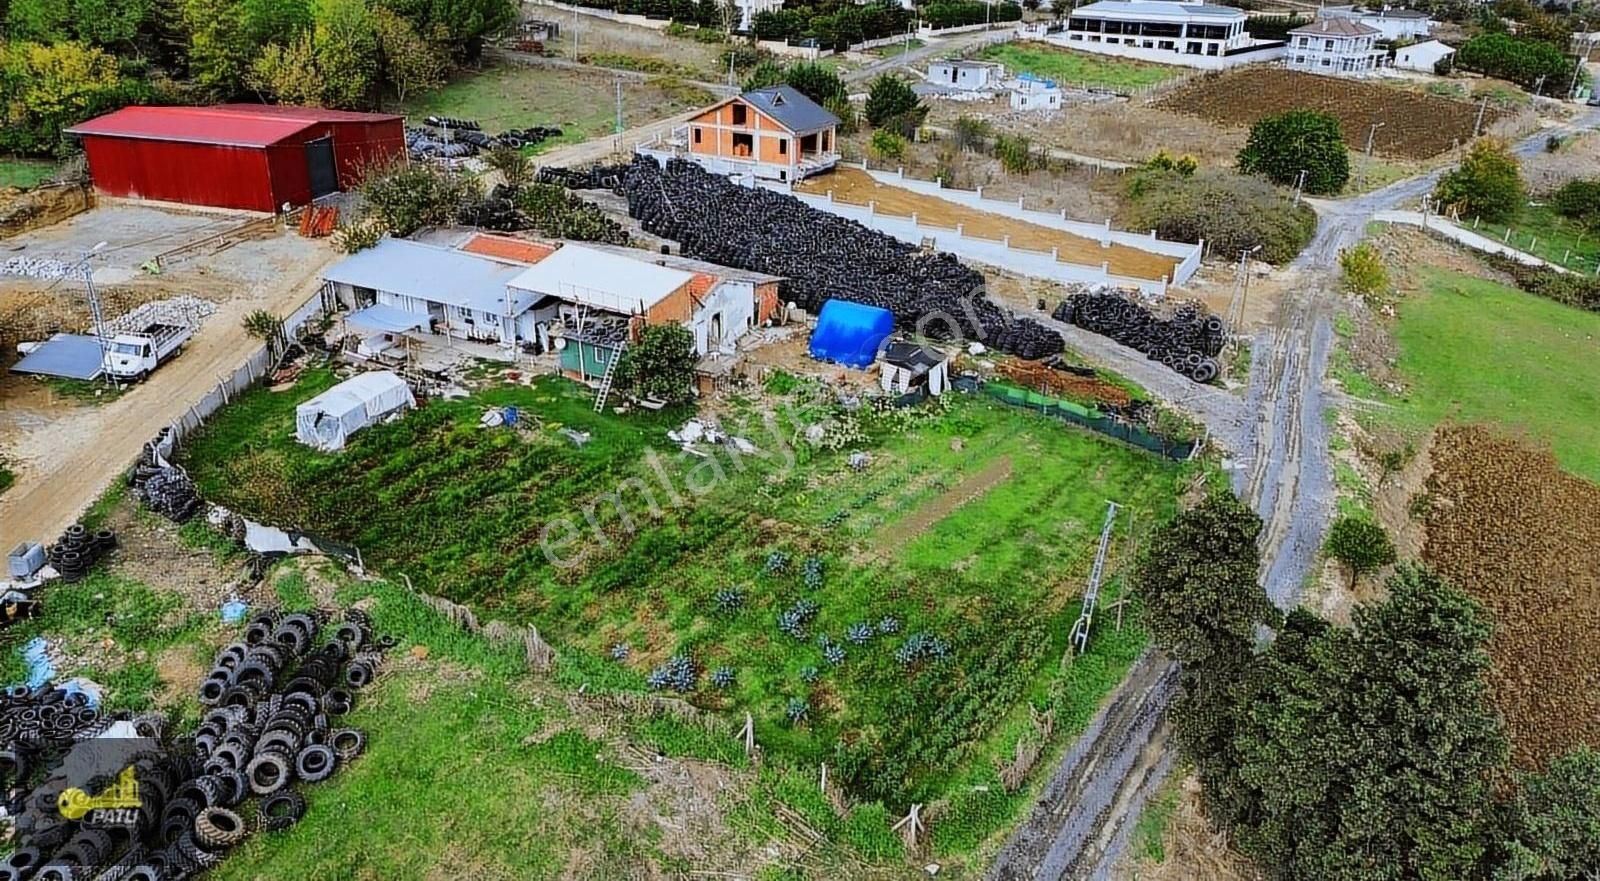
[[850, 333], [326, 421], [909, 368], [1424, 57], [1034, 93]]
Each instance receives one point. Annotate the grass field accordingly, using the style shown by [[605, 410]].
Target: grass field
[[1078, 68], [895, 50], [1475, 351], [24, 173], [582, 103], [1540, 231], [944, 575]]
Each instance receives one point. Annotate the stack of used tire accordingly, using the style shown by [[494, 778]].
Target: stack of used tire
[[1187, 342], [78, 550], [164, 489], [273, 723], [595, 177], [821, 256]]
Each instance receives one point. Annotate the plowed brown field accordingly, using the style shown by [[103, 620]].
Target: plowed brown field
[[1414, 125], [1507, 525]]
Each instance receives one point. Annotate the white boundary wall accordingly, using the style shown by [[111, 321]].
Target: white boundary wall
[[1167, 56], [1188, 255]]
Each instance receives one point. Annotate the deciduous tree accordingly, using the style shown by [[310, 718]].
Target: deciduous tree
[[406, 62], [45, 88], [1360, 544], [1283, 145], [661, 364], [1557, 823], [1488, 184]]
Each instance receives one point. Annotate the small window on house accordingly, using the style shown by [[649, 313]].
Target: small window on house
[[739, 114], [1327, 44], [697, 136], [777, 99], [783, 146]]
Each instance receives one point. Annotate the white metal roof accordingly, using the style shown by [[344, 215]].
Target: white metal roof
[[437, 275], [613, 282], [1147, 10]]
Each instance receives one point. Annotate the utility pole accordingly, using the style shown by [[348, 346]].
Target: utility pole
[[1483, 105], [619, 105], [1299, 183], [1366, 167], [1577, 62], [1538, 85]]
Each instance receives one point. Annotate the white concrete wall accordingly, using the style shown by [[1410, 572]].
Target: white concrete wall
[[735, 301], [1166, 56], [1187, 254]]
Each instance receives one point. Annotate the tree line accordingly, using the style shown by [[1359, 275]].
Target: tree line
[[62, 61], [1361, 753]]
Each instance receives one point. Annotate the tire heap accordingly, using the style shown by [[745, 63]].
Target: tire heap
[[272, 723], [164, 489], [595, 177], [467, 138], [1188, 342], [78, 550], [821, 256]]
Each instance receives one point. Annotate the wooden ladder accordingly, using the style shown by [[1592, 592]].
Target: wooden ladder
[[607, 377]]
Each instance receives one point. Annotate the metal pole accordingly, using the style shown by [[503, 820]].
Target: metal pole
[[1482, 106], [1577, 64], [1298, 184], [619, 105]]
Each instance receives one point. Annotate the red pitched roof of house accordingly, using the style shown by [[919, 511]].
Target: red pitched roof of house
[[701, 283], [508, 248]]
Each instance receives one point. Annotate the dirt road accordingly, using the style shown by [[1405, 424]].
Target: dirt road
[[103, 442], [1080, 827]]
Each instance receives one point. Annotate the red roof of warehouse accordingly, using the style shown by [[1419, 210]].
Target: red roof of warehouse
[[234, 125]]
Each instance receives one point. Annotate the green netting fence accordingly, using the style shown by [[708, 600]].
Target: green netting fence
[[1092, 419]]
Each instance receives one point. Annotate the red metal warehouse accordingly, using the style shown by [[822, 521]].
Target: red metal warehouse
[[247, 156]]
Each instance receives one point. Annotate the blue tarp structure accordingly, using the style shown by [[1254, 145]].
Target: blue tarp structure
[[850, 333], [386, 319], [67, 355]]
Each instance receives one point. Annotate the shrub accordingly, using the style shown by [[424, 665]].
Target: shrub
[[1360, 544], [1363, 268], [1522, 61], [840, 106], [1184, 166], [557, 213], [890, 98], [1572, 288], [765, 74], [1015, 153], [1283, 145], [815, 81], [661, 364], [407, 197], [1488, 184], [971, 133], [1579, 200], [1230, 212], [886, 144]]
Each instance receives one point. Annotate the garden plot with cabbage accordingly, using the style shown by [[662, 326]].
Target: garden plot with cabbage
[[888, 592]]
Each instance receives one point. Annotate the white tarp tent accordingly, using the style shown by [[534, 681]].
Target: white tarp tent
[[325, 421]]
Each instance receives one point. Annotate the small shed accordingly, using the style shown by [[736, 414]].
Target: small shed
[[850, 333], [1030, 93], [908, 368], [327, 420], [1424, 57]]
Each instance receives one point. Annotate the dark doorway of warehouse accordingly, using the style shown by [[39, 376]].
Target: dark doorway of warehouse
[[319, 160]]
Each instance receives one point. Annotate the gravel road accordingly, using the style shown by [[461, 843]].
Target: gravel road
[[1080, 827]]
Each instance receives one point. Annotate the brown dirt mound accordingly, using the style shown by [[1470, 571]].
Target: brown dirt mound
[[1523, 537], [1414, 125], [1056, 382]]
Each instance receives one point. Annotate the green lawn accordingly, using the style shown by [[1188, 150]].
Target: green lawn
[[1078, 68], [1540, 231], [582, 103], [985, 580], [24, 173], [1476, 351]]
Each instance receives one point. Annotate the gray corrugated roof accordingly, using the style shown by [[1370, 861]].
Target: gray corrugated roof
[[1335, 27], [687, 264], [795, 111], [1157, 7], [438, 275]]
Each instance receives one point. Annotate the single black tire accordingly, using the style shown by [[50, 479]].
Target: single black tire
[[338, 701], [269, 773], [281, 810], [316, 763], [218, 829], [347, 743]]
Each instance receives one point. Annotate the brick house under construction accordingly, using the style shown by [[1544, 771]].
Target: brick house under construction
[[775, 133]]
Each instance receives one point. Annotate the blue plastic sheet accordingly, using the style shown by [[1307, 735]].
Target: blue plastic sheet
[[850, 333]]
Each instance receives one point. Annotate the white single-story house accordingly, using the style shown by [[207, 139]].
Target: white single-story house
[[1033, 93], [447, 291], [1199, 35], [1423, 56], [966, 75], [1390, 23], [1334, 46]]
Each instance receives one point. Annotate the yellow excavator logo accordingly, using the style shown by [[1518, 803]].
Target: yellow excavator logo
[[75, 804]]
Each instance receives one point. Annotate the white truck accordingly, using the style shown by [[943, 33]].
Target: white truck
[[131, 356]]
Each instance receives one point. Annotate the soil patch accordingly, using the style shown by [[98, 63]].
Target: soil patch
[[1507, 525], [1033, 375], [1411, 125], [936, 509], [855, 187]]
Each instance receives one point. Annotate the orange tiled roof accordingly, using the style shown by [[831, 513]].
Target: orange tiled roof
[[701, 283], [508, 248]]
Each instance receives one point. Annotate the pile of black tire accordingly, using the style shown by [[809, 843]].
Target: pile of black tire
[[271, 724], [164, 489], [467, 138], [78, 550], [1188, 342], [820, 255], [595, 177]]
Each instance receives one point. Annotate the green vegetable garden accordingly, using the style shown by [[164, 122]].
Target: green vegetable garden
[[896, 619]]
